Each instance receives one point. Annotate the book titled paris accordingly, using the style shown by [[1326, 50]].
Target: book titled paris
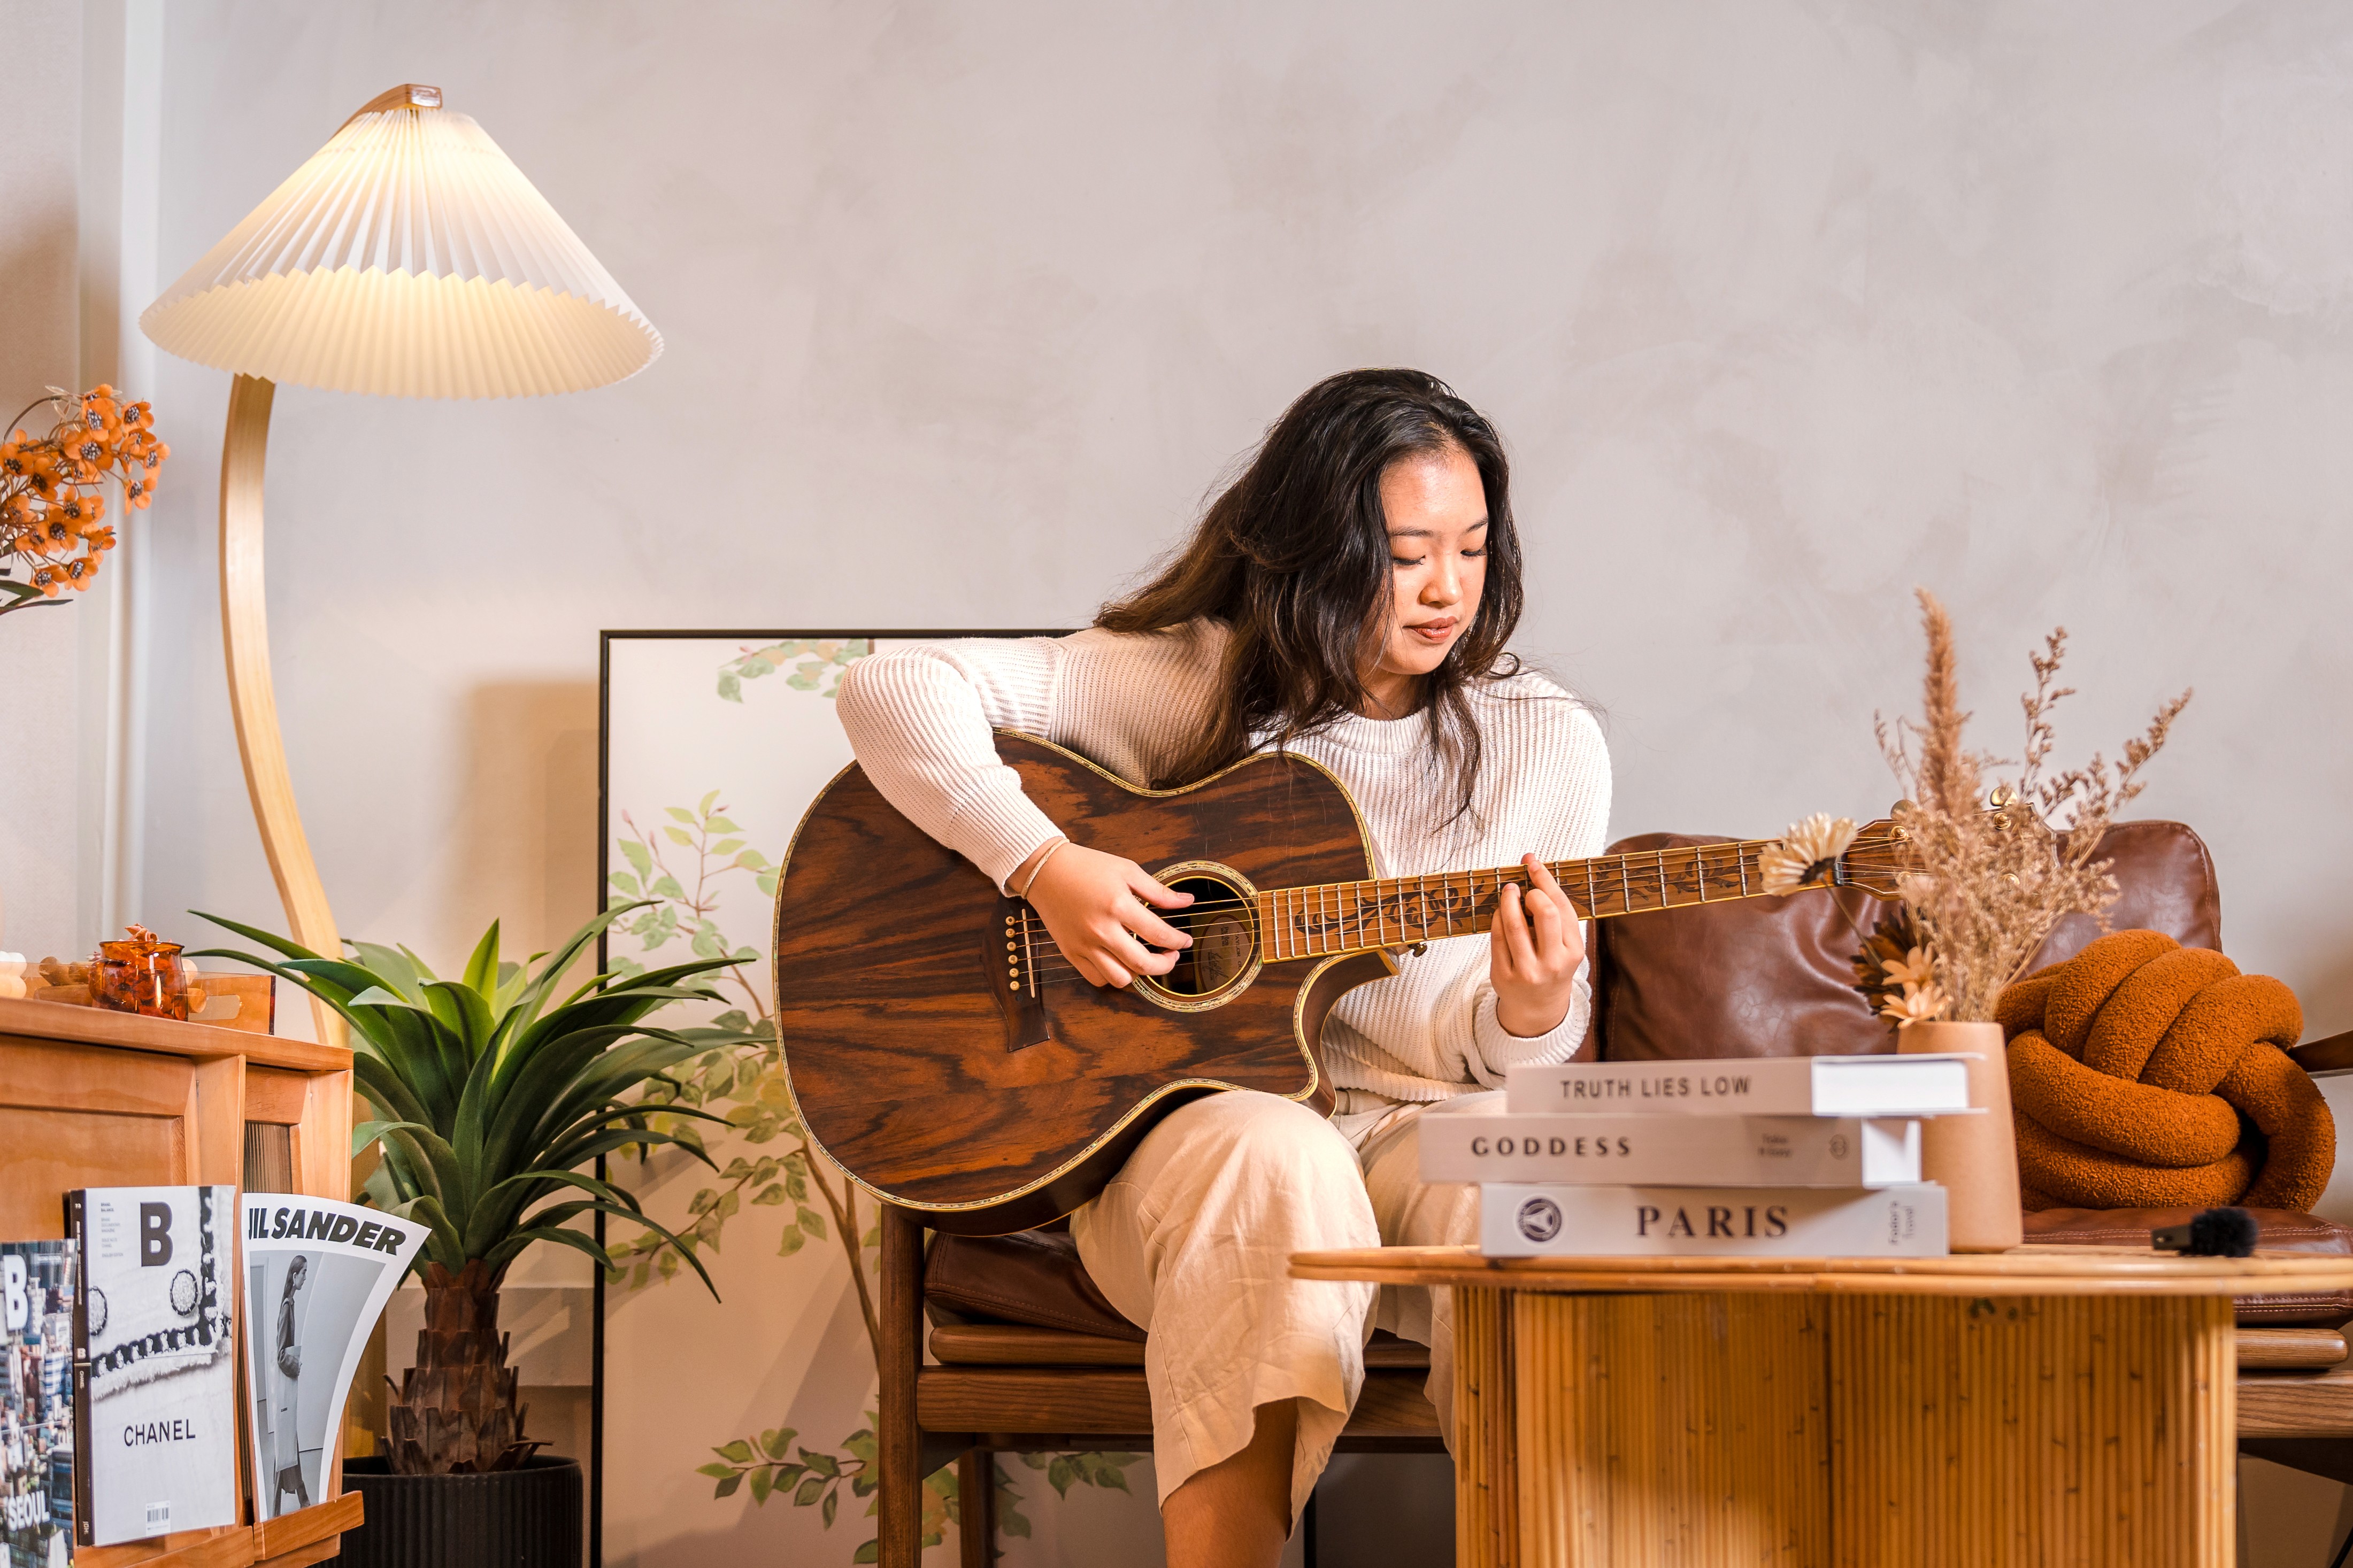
[[154, 1361]]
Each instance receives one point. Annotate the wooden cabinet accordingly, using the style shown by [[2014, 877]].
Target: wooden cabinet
[[94, 1099]]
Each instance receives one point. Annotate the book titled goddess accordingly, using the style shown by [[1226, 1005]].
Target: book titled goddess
[[317, 1275]]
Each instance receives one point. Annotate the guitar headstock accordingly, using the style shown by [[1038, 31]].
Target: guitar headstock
[[1878, 859]]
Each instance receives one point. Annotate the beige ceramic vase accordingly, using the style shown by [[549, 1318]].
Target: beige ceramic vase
[[1973, 1158]]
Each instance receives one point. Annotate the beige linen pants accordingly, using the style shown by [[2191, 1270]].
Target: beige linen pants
[[1192, 1240]]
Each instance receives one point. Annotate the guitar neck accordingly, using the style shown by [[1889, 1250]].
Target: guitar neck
[[1398, 911]]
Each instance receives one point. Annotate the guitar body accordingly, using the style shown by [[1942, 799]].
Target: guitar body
[[992, 1095]]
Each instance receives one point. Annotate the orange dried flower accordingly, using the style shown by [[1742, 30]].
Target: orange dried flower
[[29, 462], [50, 535], [52, 510], [85, 451], [77, 509]]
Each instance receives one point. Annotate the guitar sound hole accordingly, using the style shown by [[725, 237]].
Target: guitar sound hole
[[1219, 922]]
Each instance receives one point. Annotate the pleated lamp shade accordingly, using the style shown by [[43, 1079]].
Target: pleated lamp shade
[[409, 257]]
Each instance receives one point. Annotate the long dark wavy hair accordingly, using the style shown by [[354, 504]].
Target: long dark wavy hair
[[1294, 559]]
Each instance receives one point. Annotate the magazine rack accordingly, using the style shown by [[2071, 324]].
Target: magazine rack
[[95, 1098]]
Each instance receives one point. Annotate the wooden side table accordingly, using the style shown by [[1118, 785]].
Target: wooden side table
[[89, 1097], [2054, 1406]]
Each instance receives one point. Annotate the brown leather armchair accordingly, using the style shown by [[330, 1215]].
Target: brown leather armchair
[[1029, 1356]]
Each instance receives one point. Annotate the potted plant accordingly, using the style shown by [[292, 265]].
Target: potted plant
[[490, 1095], [1990, 876]]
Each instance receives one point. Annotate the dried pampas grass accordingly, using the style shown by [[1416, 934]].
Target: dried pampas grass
[[1990, 878]]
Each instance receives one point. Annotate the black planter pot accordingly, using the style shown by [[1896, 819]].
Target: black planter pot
[[528, 1518]]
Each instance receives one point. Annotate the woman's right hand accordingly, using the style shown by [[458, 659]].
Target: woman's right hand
[[1097, 907]]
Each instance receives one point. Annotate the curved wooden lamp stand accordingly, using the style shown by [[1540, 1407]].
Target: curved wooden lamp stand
[[252, 698]]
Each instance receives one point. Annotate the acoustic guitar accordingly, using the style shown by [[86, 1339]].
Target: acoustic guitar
[[941, 1049]]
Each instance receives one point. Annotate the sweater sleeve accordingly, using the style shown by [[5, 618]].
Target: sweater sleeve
[[1430, 1031], [1571, 823], [920, 720]]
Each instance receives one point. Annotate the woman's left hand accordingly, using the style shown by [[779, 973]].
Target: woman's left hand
[[1534, 948]]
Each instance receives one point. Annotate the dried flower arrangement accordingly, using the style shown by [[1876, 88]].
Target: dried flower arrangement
[[52, 491], [1990, 878]]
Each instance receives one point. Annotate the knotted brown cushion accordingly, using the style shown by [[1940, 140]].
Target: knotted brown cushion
[[2147, 1073]]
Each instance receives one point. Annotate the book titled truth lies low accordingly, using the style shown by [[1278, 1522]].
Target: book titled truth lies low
[[1523, 1221], [154, 1361], [1924, 1085], [1492, 1145]]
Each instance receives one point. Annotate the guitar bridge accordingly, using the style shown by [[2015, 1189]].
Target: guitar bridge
[[1017, 950]]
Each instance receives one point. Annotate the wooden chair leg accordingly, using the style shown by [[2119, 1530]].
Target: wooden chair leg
[[898, 1440], [976, 1510]]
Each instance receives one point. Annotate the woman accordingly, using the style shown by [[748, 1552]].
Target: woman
[[1349, 597]]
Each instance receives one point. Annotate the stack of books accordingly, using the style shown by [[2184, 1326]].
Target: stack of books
[[1798, 1156]]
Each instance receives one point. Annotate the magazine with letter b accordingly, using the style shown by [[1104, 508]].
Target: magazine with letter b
[[154, 1374], [318, 1274], [36, 1427]]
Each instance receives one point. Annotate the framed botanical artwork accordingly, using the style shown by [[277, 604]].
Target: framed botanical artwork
[[739, 1430]]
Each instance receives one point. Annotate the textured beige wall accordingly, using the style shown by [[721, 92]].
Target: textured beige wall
[[1785, 308], [41, 676]]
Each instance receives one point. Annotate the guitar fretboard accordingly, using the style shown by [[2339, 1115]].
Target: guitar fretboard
[[1398, 911]]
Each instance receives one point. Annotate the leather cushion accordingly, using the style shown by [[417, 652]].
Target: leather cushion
[[1775, 977], [1034, 1277], [2278, 1230]]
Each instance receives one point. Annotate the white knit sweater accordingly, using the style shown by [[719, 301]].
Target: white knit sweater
[[920, 718]]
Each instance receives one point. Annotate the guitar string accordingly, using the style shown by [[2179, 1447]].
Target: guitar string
[[1625, 893], [1052, 967], [1374, 905]]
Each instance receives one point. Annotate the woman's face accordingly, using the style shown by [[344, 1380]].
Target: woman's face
[[1436, 509]]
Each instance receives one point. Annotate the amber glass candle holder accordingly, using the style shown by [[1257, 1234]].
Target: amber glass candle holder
[[140, 977]]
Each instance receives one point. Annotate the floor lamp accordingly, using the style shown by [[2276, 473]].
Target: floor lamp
[[409, 258]]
